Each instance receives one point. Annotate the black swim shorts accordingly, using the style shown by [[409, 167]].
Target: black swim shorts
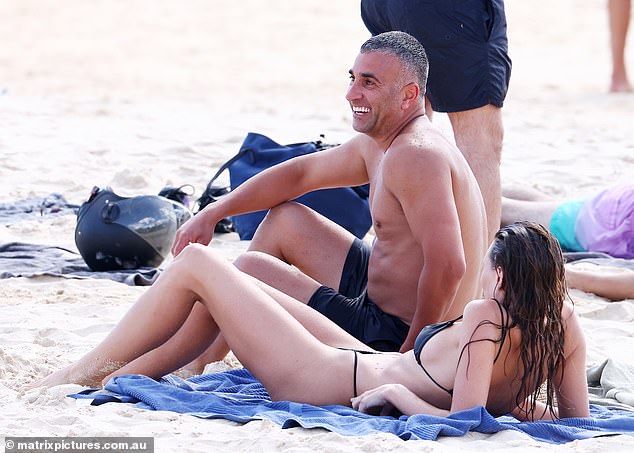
[[466, 45], [352, 309]]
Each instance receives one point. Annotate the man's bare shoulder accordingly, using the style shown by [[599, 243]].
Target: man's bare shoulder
[[360, 143], [420, 148], [422, 135]]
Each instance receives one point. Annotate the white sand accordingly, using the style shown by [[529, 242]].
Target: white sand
[[141, 94]]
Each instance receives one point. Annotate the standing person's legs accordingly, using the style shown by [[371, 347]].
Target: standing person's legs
[[619, 20], [479, 134]]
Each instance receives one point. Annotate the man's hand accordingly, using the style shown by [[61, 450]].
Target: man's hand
[[199, 229]]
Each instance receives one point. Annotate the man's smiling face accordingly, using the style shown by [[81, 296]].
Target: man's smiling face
[[374, 89]]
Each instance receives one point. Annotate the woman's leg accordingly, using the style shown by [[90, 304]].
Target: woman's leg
[[535, 211], [290, 361], [191, 341], [265, 337], [196, 343], [152, 321]]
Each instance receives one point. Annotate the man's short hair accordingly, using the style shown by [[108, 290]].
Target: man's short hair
[[405, 47]]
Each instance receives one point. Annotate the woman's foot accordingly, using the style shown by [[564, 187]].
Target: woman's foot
[[57, 378], [73, 375]]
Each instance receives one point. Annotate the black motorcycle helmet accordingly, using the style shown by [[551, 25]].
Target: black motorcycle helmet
[[114, 232]]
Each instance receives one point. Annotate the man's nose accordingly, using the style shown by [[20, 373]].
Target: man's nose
[[353, 92]]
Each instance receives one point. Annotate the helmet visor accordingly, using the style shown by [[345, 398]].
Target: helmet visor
[[154, 219]]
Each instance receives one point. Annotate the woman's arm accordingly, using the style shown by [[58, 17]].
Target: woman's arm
[[385, 398], [541, 412], [571, 385], [478, 343]]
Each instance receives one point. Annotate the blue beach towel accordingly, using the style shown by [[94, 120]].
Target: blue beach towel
[[238, 396]]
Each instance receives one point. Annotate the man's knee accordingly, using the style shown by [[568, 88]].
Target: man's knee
[[284, 215], [250, 262], [479, 133], [281, 226]]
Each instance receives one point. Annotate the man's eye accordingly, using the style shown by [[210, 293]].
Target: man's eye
[[369, 82]]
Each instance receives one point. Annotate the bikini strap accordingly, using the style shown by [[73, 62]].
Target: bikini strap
[[354, 376], [450, 391]]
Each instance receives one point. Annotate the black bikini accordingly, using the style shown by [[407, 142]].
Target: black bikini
[[429, 331], [423, 337]]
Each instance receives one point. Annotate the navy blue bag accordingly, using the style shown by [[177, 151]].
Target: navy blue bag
[[347, 206]]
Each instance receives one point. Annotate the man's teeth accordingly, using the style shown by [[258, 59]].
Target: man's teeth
[[360, 109]]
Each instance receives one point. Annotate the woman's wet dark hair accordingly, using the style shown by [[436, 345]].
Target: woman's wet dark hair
[[534, 288]]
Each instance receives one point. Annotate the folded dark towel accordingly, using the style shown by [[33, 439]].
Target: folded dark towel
[[53, 204], [18, 259]]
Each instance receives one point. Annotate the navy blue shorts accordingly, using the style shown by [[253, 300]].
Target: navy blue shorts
[[351, 308], [466, 45]]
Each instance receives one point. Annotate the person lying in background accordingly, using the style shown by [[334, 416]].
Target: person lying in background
[[613, 283], [602, 223]]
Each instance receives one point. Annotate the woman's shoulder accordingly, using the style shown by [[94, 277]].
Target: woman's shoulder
[[483, 310], [567, 310], [570, 320]]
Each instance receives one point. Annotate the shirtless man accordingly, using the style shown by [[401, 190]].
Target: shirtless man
[[469, 74], [427, 210]]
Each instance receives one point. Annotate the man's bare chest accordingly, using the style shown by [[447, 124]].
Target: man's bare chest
[[387, 213]]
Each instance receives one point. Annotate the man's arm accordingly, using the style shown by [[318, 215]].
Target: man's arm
[[340, 166], [422, 183]]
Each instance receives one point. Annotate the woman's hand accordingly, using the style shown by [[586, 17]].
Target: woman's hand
[[389, 399], [378, 401]]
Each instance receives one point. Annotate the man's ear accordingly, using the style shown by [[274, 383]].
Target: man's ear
[[410, 94]]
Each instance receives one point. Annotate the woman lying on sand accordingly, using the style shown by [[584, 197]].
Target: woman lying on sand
[[497, 355]]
